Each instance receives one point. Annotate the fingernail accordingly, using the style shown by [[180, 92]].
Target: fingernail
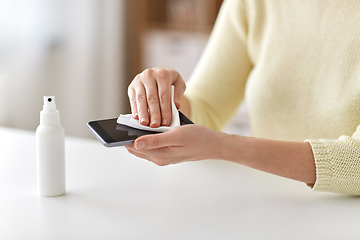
[[143, 120], [164, 122], [135, 115], [154, 122], [140, 145]]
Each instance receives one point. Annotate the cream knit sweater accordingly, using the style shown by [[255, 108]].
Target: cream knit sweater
[[297, 64]]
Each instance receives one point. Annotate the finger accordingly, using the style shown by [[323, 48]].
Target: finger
[[132, 98], [153, 103], [177, 104], [165, 102], [158, 161], [154, 141], [141, 104], [131, 150], [179, 90]]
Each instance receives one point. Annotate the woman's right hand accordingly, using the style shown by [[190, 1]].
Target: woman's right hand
[[150, 95]]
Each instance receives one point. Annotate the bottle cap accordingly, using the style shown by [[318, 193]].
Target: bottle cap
[[49, 104]]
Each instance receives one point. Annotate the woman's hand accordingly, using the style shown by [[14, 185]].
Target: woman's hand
[[192, 142], [180, 144], [150, 95]]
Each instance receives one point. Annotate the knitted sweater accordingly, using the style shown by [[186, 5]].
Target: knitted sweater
[[297, 64]]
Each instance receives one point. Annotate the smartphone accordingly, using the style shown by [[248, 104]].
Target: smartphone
[[112, 134]]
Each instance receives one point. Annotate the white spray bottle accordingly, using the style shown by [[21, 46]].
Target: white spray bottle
[[50, 151]]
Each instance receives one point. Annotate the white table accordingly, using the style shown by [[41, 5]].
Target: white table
[[114, 195]]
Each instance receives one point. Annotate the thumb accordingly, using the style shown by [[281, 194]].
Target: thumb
[[179, 90], [153, 141]]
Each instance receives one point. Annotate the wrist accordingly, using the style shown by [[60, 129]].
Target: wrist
[[230, 147]]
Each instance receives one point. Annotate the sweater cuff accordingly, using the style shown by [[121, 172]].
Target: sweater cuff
[[322, 164]]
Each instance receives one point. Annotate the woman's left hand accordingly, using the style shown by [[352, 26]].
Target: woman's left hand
[[184, 143]]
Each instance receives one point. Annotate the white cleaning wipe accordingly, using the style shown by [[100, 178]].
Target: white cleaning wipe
[[128, 120]]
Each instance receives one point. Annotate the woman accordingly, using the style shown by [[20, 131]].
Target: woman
[[297, 63]]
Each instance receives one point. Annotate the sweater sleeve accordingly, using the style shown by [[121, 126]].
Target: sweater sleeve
[[337, 164], [216, 87]]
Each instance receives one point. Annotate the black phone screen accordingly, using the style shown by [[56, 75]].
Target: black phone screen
[[111, 134]]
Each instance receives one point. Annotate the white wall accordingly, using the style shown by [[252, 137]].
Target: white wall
[[72, 49]]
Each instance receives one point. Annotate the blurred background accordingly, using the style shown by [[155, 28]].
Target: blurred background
[[86, 52]]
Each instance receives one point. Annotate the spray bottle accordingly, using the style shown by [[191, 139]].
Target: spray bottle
[[50, 151]]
